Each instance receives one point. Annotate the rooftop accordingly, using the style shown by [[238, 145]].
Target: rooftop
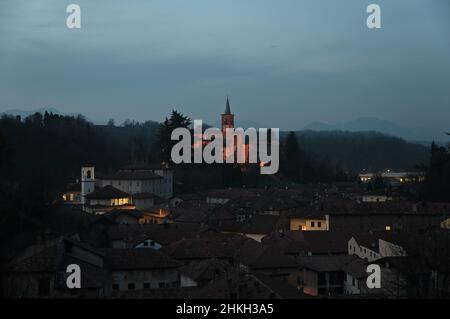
[[107, 192], [129, 175]]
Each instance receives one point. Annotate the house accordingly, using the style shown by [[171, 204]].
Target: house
[[206, 246], [325, 275], [274, 263], [153, 236], [372, 198], [256, 227], [190, 212], [141, 178], [356, 278], [445, 224], [138, 269], [176, 200], [40, 271], [143, 201], [308, 243], [366, 177], [107, 198], [119, 216], [223, 196], [202, 272], [72, 194], [313, 221], [390, 215], [242, 285], [404, 276]]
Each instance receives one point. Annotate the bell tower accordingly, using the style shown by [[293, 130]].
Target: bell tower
[[227, 118], [87, 181]]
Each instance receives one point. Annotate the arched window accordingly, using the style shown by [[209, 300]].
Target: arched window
[[88, 174]]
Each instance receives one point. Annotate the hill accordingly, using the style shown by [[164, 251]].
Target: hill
[[355, 151]]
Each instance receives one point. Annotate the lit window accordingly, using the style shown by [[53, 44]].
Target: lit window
[[388, 227]]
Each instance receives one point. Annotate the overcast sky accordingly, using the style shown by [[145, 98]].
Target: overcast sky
[[284, 63]]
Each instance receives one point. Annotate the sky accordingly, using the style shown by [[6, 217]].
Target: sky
[[283, 63]]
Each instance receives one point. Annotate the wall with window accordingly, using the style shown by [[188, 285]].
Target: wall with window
[[149, 243], [143, 279], [307, 224]]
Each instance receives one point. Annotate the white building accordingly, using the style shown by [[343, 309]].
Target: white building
[[139, 179]]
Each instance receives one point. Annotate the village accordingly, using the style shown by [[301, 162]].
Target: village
[[133, 234], [139, 240]]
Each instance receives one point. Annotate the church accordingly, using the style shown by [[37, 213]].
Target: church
[[227, 122]]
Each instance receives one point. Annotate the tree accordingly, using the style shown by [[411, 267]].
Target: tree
[[293, 158], [437, 181], [165, 143]]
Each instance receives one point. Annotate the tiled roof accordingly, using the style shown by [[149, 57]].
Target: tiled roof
[[164, 234], [206, 246], [326, 263], [205, 270], [320, 242], [129, 175], [273, 259], [143, 196], [144, 167], [316, 242], [107, 192], [130, 259], [280, 287], [52, 257], [258, 224]]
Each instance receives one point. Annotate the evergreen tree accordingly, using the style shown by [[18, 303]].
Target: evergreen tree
[[165, 143]]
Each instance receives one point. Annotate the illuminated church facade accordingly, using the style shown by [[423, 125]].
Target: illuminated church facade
[[227, 122]]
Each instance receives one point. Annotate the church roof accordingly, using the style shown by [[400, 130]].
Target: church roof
[[227, 108], [107, 192]]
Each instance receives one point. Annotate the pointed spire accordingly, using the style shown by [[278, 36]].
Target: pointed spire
[[227, 107]]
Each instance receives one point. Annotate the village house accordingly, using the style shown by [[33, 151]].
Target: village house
[[141, 178], [314, 221], [202, 272], [153, 236], [404, 276], [72, 194], [206, 246], [136, 269], [308, 243], [107, 198], [326, 275], [389, 215], [140, 183], [40, 271]]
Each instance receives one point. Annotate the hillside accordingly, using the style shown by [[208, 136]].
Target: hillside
[[355, 151]]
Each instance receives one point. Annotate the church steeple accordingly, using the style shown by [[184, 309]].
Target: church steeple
[[227, 107], [227, 117]]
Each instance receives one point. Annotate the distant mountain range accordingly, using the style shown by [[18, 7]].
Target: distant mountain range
[[419, 135]]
